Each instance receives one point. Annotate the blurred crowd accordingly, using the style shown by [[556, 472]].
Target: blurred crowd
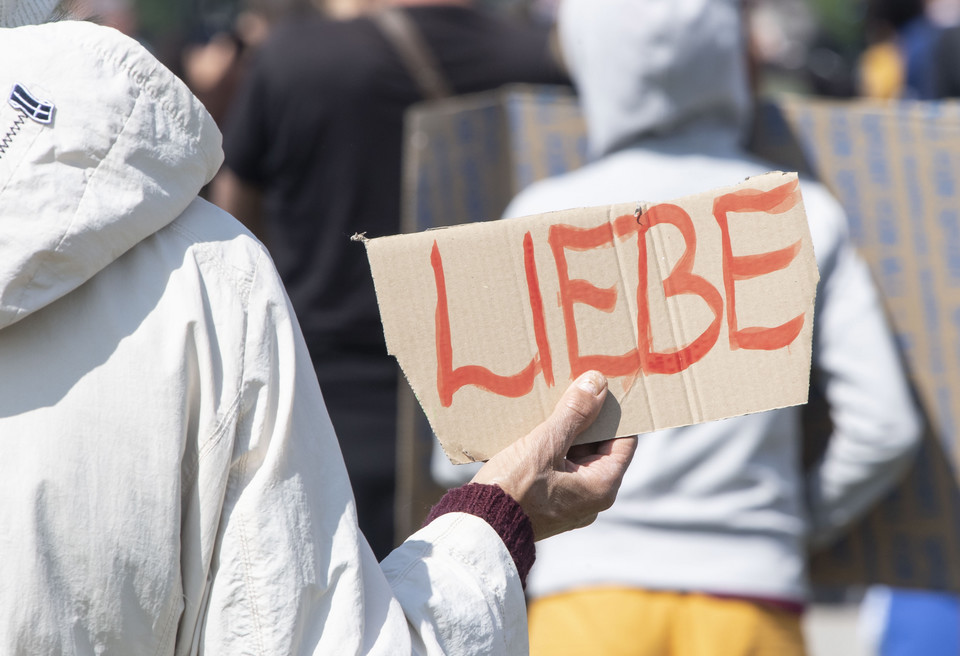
[[873, 48]]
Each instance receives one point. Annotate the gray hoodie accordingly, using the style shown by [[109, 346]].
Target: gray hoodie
[[654, 67], [721, 507]]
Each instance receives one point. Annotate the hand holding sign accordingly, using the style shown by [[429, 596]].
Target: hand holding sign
[[561, 487], [697, 309]]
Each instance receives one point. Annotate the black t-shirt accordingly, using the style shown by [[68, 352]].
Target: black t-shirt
[[947, 64], [318, 126]]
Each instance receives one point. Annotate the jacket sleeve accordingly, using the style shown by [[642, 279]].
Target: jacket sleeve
[[876, 423], [291, 572]]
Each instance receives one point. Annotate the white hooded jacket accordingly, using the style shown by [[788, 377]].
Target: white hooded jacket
[[171, 483], [721, 507]]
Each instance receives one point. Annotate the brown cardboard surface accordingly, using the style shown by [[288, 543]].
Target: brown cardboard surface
[[895, 167], [896, 170], [490, 321], [466, 157]]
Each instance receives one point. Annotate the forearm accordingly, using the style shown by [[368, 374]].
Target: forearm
[[459, 589], [479, 545]]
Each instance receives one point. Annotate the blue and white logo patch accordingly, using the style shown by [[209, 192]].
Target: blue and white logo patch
[[38, 110]]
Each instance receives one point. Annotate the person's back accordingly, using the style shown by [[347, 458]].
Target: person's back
[[146, 430], [121, 294], [721, 510], [318, 129]]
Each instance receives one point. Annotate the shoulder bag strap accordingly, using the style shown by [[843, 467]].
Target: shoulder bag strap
[[416, 57]]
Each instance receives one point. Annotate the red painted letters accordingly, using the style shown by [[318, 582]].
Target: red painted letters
[[449, 380], [744, 267], [680, 281], [564, 237]]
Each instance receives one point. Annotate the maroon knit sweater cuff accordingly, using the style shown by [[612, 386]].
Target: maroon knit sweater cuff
[[501, 511]]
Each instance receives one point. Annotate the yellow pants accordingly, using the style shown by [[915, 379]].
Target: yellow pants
[[631, 622]]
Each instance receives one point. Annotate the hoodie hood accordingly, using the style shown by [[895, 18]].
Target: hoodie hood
[[652, 67], [100, 147]]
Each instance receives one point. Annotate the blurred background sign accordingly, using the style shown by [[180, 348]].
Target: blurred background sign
[[895, 167]]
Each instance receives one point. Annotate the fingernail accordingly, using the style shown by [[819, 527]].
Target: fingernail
[[591, 382]]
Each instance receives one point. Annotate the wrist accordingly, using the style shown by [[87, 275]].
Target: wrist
[[501, 511]]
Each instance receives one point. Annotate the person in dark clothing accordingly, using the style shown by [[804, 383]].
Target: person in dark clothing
[[313, 154], [947, 64]]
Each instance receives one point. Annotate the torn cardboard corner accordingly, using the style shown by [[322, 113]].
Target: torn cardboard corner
[[696, 310]]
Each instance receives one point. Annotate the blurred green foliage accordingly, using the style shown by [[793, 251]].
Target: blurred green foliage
[[162, 16], [842, 21]]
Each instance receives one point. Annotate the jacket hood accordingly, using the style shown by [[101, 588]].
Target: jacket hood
[[100, 147], [648, 67]]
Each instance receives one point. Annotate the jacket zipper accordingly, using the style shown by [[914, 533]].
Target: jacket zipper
[[7, 140]]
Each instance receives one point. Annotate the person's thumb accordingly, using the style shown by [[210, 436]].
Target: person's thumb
[[576, 409]]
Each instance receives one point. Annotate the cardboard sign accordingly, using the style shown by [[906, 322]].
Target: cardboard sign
[[696, 309], [466, 157], [896, 170], [894, 166]]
